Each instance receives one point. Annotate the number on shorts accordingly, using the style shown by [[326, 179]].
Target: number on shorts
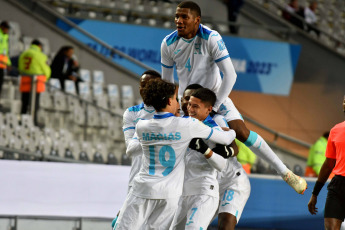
[[168, 164], [228, 195]]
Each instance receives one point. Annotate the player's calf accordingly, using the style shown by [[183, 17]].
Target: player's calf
[[226, 221]]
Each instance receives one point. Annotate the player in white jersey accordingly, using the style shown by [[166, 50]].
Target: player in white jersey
[[234, 185], [199, 201], [131, 117], [153, 199], [199, 54]]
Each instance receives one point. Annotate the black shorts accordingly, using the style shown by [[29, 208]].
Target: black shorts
[[335, 203]]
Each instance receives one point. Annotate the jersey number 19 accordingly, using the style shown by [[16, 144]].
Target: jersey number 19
[[168, 164]]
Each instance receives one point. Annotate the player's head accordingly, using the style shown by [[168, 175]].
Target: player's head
[[37, 43], [186, 95], [187, 19], [201, 103], [161, 95], [146, 76], [66, 51], [5, 27], [326, 134]]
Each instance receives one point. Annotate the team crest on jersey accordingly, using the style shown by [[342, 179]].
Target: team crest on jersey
[[221, 44]]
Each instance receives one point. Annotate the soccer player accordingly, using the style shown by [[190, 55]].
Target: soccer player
[[335, 162], [131, 117], [234, 185], [199, 54], [153, 199], [199, 201]]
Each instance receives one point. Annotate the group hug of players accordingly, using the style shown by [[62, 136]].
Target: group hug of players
[[184, 168]]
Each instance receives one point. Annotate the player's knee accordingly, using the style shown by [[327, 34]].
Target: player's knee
[[242, 132], [331, 224]]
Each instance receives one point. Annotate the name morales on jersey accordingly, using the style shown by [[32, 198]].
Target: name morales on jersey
[[161, 136]]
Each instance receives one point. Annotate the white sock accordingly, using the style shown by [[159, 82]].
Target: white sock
[[259, 146]]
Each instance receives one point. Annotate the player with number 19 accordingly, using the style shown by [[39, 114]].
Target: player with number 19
[[153, 200]]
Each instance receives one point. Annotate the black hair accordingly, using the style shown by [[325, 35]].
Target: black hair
[[63, 50], [205, 95], [5, 24], [152, 72], [36, 42], [157, 93], [326, 134], [193, 86], [190, 5]]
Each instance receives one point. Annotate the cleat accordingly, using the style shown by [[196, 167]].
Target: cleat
[[297, 183]]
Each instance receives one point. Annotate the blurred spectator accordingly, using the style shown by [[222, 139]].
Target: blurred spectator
[[316, 156], [65, 66], [291, 13], [33, 62], [5, 61], [310, 17], [245, 156], [234, 7]]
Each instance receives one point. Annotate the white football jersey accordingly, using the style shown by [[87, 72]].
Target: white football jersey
[[200, 177], [130, 118], [195, 59], [232, 165], [164, 140]]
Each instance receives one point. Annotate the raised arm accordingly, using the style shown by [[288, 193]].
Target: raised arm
[[167, 64]]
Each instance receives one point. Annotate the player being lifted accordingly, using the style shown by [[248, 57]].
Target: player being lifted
[[199, 201], [199, 54], [153, 199], [234, 185]]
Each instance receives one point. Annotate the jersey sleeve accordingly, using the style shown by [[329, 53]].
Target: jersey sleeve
[[220, 121], [128, 126], [134, 146], [198, 129], [217, 162], [330, 150], [167, 63], [220, 55]]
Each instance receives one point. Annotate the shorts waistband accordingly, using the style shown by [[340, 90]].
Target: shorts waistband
[[340, 178]]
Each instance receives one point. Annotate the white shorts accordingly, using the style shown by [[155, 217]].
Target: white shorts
[[195, 212], [144, 214], [229, 111], [234, 194]]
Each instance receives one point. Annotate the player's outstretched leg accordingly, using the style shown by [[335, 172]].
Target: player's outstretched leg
[[226, 221], [259, 146]]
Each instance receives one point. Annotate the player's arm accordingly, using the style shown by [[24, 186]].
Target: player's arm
[[220, 55], [128, 126], [167, 63], [198, 129], [325, 171], [134, 147], [215, 160]]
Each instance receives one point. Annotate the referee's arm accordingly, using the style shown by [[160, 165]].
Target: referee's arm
[[325, 171]]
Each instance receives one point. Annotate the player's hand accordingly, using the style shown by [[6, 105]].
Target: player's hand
[[312, 204], [199, 145], [224, 150]]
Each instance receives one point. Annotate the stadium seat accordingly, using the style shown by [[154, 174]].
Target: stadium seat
[[125, 160], [83, 156], [68, 154], [112, 159], [298, 170], [98, 76], [85, 75], [127, 96], [97, 158], [114, 97]]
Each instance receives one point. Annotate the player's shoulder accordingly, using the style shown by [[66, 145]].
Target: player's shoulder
[[339, 126], [171, 38], [206, 33], [136, 108]]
